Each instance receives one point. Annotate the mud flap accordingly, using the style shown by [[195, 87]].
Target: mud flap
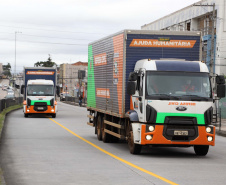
[[136, 132]]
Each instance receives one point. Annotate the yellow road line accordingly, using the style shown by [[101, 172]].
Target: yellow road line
[[116, 157]]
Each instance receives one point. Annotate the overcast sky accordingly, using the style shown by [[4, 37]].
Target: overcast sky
[[64, 28]]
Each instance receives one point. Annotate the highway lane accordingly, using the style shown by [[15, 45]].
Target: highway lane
[[3, 93], [38, 150]]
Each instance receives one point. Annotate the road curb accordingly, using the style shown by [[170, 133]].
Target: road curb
[[3, 125], [221, 133], [73, 103]]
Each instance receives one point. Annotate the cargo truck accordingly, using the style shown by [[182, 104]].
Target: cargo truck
[[40, 91], [150, 88]]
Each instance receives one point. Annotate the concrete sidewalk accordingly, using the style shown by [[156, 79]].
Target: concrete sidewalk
[[221, 129]]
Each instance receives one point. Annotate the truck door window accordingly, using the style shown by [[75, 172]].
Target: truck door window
[[141, 84], [138, 83]]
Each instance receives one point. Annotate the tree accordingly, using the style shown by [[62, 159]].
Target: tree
[[7, 69], [48, 63]]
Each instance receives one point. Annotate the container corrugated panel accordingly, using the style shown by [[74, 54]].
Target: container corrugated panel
[[105, 64], [105, 74]]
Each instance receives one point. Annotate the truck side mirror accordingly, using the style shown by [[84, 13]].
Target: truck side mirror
[[220, 79], [17, 86], [133, 76], [22, 89], [220, 91], [131, 87], [58, 90]]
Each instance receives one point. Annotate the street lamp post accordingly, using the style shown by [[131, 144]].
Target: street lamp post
[[15, 64]]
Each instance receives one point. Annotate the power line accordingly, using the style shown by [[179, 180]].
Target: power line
[[47, 36], [50, 30], [49, 42]]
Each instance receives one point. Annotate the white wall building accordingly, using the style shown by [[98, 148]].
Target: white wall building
[[1, 68], [199, 18], [69, 77]]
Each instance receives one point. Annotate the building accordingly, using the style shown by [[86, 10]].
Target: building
[[200, 17], [1, 69], [68, 78]]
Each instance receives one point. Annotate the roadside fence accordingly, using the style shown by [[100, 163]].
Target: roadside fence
[[5, 103], [75, 100]]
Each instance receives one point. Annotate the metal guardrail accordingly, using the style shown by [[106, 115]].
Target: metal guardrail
[[5, 103]]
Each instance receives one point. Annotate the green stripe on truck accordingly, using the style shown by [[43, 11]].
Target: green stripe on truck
[[91, 94], [162, 115], [34, 101]]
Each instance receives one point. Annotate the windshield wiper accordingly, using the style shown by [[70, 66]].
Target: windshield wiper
[[168, 96], [195, 97]]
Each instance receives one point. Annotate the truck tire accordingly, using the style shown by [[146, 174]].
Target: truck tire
[[133, 147], [95, 123], [99, 127], [201, 150], [53, 115], [105, 136], [25, 115]]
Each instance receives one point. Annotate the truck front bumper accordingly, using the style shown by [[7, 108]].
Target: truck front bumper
[[35, 110], [143, 136]]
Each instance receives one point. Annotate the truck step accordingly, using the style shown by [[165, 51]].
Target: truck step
[[91, 124], [114, 134], [89, 116], [114, 124]]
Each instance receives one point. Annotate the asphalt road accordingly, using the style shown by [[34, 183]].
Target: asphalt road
[[39, 150], [3, 93]]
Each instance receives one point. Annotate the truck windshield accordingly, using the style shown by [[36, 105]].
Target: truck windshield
[[178, 85], [40, 90]]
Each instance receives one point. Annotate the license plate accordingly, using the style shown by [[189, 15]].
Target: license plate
[[180, 133], [40, 108]]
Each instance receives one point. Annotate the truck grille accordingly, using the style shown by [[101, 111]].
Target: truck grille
[[180, 128], [40, 106]]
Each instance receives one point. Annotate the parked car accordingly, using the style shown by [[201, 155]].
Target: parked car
[[63, 96], [9, 88], [0, 85], [10, 92], [9, 96]]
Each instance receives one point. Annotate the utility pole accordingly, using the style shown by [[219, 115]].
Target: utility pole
[[15, 66], [212, 36], [212, 40]]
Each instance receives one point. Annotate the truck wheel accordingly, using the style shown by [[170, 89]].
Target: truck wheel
[[201, 150], [53, 115], [133, 147], [105, 136], [99, 128], [25, 115], [95, 124]]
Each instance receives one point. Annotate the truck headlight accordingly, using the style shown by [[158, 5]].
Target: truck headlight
[[208, 129], [149, 137], [210, 138], [151, 128], [52, 110]]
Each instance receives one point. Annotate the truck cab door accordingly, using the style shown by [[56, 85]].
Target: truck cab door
[[140, 98]]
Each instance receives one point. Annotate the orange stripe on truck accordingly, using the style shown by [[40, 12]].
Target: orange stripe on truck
[[118, 67], [158, 137], [32, 111], [163, 44]]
